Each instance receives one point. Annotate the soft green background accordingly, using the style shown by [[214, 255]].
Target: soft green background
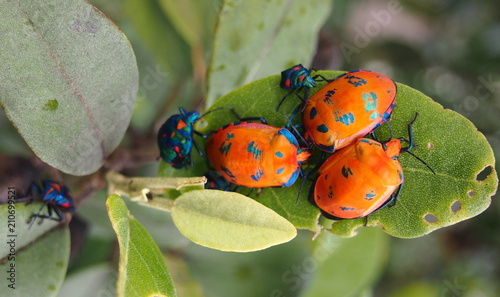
[[447, 50]]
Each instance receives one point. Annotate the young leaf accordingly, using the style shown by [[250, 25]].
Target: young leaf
[[266, 27], [345, 265], [445, 140], [62, 61], [229, 221], [142, 270]]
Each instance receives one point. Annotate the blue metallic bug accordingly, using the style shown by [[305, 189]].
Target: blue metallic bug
[[215, 181], [175, 138], [297, 78], [55, 196]]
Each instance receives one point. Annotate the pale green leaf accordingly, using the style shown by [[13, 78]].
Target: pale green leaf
[[142, 269], [229, 221], [17, 217], [347, 266], [39, 269], [62, 62]]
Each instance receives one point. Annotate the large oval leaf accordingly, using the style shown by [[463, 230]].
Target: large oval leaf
[[260, 32], [229, 221], [448, 142], [62, 62]]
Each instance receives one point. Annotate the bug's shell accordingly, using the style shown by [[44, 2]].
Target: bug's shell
[[296, 77], [347, 108], [256, 155], [359, 179], [57, 194], [175, 138]]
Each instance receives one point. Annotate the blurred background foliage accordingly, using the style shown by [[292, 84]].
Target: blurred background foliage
[[449, 50]]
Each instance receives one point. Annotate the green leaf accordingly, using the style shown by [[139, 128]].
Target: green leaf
[[457, 152], [97, 280], [252, 40], [448, 142], [142, 268], [193, 19], [159, 35], [18, 216], [229, 221], [62, 61], [40, 268], [347, 266]]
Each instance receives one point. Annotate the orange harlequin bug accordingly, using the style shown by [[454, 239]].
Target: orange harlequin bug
[[347, 108], [361, 178], [256, 155]]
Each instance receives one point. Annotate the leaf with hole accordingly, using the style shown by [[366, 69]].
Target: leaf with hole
[[445, 140]]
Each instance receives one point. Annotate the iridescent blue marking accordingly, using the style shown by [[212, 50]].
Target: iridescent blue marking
[[252, 148], [369, 196], [289, 136], [257, 175], [345, 119], [229, 136], [224, 148], [374, 115], [370, 101], [329, 94], [292, 179], [279, 171], [347, 208], [355, 81], [279, 154]]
